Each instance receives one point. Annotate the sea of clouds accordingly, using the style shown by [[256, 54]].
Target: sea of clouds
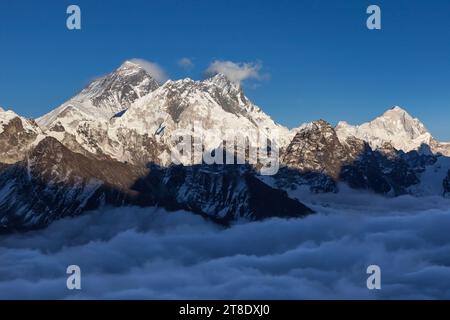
[[151, 254]]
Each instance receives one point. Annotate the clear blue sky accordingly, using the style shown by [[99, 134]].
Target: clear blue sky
[[322, 61]]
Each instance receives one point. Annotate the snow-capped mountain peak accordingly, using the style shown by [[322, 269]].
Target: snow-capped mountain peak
[[396, 126], [400, 117], [221, 81], [6, 116], [130, 66], [17, 136], [106, 96], [396, 109]]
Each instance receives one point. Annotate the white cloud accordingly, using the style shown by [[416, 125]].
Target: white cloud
[[186, 63], [235, 71], [148, 253], [155, 70]]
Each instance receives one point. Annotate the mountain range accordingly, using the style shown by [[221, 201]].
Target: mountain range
[[110, 145]]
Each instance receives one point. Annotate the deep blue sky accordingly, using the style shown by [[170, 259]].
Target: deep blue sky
[[322, 60]]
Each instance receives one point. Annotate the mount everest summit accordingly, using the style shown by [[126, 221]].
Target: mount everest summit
[[111, 144]]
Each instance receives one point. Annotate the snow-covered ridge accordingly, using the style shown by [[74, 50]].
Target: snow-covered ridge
[[129, 106], [215, 103]]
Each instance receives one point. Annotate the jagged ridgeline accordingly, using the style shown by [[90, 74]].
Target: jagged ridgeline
[[111, 145]]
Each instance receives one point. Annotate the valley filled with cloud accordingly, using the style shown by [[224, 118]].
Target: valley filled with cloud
[[148, 253]]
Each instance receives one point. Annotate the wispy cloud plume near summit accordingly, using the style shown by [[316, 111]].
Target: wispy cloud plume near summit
[[236, 71], [186, 63], [154, 69]]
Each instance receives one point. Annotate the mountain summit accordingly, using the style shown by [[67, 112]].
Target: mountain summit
[[396, 127], [107, 95]]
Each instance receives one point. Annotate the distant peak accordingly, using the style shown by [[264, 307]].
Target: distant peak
[[322, 123], [316, 125], [342, 124], [219, 78], [396, 110], [9, 111], [223, 81], [131, 63]]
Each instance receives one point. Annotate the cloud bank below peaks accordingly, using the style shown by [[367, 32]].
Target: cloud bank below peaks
[[144, 253]]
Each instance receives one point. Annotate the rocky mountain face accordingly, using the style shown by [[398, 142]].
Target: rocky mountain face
[[223, 193], [17, 136], [111, 145], [385, 173], [53, 182], [317, 148], [446, 185]]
